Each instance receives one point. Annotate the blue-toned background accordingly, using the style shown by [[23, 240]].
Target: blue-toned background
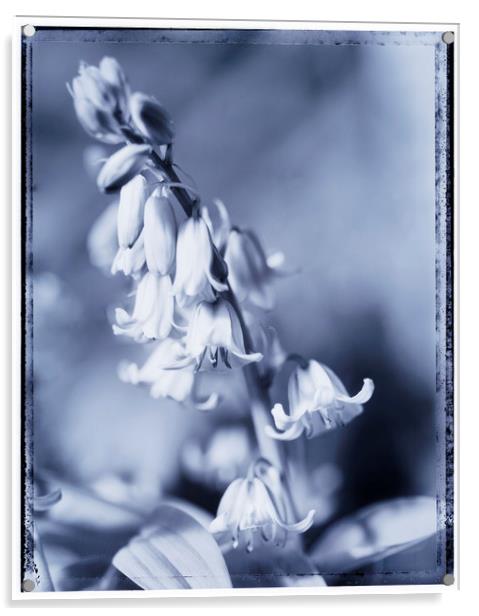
[[327, 152]]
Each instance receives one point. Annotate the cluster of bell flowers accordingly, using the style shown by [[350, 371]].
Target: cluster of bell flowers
[[190, 276], [181, 298], [108, 111]]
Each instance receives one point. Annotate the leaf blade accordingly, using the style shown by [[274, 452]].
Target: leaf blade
[[173, 552], [374, 533]]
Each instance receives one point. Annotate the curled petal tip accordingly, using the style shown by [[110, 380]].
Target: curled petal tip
[[290, 434], [363, 396], [209, 404]]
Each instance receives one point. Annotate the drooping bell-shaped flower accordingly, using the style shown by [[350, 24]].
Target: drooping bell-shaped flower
[[152, 314], [197, 264], [318, 401], [133, 196], [180, 384], [215, 333], [130, 256], [251, 273], [130, 261], [219, 225], [100, 99], [151, 119], [122, 166], [114, 76], [253, 509], [160, 233]]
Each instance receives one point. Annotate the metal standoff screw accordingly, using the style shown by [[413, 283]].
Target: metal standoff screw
[[448, 579], [28, 585], [28, 30], [448, 37]]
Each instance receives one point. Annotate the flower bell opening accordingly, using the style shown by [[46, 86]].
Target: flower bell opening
[[254, 510], [215, 335], [318, 402]]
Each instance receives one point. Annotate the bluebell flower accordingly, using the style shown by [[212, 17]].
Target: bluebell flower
[[214, 333], [195, 261], [152, 314], [160, 233], [100, 99], [255, 507], [318, 401]]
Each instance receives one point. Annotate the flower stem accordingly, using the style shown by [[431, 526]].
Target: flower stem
[[271, 449]]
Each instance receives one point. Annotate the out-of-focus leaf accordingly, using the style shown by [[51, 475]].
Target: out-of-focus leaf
[[83, 574], [81, 525], [272, 566], [173, 552], [80, 507], [44, 502], [373, 533], [200, 515]]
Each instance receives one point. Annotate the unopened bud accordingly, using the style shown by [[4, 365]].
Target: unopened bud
[[97, 123], [151, 119], [160, 234], [122, 166], [113, 74]]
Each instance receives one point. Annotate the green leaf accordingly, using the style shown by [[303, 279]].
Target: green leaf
[[375, 532], [173, 552]]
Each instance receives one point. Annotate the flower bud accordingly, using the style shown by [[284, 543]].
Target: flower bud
[[91, 86], [160, 234], [113, 75], [151, 119], [100, 97], [133, 196], [96, 122], [122, 166]]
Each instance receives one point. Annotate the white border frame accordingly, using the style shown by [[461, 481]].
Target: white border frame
[[196, 23]]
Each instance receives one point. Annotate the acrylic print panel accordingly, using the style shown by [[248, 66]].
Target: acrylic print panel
[[237, 309]]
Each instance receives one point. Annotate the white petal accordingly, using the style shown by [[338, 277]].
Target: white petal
[[130, 211], [160, 234], [290, 434], [219, 524], [282, 421], [364, 395]]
